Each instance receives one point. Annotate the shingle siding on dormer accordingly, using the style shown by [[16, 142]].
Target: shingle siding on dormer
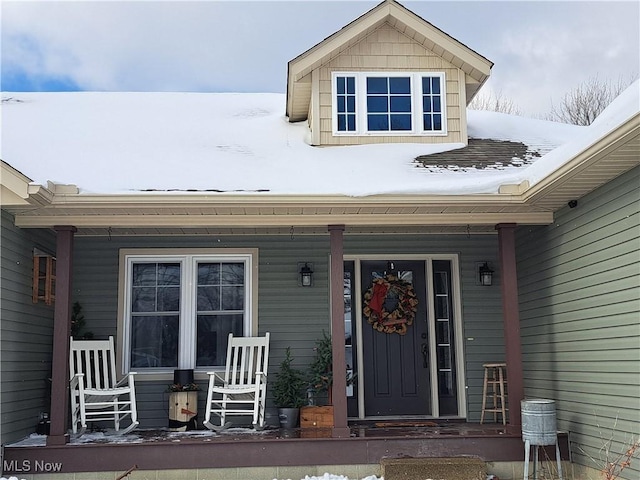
[[388, 50]]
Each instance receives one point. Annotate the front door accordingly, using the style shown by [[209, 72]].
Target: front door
[[396, 360]]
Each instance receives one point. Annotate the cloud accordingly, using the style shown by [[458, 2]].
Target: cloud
[[539, 48]]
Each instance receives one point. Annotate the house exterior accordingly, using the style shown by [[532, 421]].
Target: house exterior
[[169, 273]]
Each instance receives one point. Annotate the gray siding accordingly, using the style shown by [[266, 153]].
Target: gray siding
[[26, 331], [296, 316], [579, 285]]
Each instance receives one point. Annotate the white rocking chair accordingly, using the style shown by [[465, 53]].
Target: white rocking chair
[[242, 390], [95, 393]]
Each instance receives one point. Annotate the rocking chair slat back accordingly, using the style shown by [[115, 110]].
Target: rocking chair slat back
[[246, 356], [244, 387], [96, 393], [95, 359]]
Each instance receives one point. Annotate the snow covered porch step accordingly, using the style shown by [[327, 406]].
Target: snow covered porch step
[[457, 468]]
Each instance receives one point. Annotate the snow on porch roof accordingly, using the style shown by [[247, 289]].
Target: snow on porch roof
[[127, 143]]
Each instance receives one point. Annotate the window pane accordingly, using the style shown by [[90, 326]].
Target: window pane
[[213, 334], [445, 383], [144, 274], [437, 122], [168, 299], [341, 105], [435, 85], [351, 122], [399, 85], [377, 122], [401, 122], [442, 332], [351, 104], [156, 287], [154, 341], [426, 104], [351, 85], [426, 85], [436, 105], [427, 122], [400, 104], [340, 85], [208, 273], [232, 274], [442, 307], [232, 298], [377, 104], [441, 282], [143, 299], [377, 85], [208, 299], [444, 357], [168, 274], [341, 123]]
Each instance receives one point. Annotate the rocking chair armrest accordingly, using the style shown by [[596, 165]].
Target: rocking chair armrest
[[217, 375], [74, 382], [127, 379]]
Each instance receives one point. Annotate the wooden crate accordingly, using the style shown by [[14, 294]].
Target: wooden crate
[[316, 417]]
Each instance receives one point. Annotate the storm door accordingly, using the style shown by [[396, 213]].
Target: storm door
[[395, 339]]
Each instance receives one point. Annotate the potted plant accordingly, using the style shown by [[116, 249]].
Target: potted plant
[[321, 381], [289, 392], [321, 368]]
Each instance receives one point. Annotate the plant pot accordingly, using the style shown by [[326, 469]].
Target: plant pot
[[316, 417], [288, 417]]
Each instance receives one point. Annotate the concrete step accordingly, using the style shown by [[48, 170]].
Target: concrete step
[[457, 468]]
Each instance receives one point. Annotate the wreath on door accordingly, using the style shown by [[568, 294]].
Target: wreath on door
[[392, 320]]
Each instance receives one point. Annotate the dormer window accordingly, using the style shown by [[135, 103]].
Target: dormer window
[[400, 103]]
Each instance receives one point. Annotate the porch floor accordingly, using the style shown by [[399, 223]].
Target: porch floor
[[367, 444]]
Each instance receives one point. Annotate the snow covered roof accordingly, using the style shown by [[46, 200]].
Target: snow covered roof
[[220, 146], [137, 142]]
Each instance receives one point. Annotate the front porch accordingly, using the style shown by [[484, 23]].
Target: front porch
[[272, 453]]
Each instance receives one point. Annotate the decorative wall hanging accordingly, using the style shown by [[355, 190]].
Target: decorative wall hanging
[[397, 317]]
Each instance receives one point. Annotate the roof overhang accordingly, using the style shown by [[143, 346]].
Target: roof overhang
[[476, 67], [18, 191], [157, 213], [102, 213], [605, 159]]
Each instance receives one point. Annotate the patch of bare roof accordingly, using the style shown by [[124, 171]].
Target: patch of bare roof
[[481, 154]]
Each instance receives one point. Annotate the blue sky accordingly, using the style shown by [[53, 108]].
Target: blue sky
[[540, 49]]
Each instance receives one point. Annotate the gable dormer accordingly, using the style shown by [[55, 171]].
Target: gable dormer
[[389, 76]]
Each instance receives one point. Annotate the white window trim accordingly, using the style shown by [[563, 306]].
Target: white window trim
[[188, 258], [416, 104]]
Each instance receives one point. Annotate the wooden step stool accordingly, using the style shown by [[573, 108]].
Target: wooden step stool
[[494, 387]]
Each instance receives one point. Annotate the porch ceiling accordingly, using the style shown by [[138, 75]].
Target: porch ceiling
[[252, 214]]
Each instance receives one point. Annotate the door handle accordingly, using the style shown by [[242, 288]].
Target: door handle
[[425, 356]]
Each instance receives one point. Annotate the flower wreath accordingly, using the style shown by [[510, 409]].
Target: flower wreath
[[397, 320]]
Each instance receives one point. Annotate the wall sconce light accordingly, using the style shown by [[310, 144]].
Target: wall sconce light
[[485, 274], [306, 274]]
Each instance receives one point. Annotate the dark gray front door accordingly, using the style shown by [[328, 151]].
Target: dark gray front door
[[396, 367]]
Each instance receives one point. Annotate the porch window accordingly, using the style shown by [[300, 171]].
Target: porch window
[[179, 310], [410, 103]]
